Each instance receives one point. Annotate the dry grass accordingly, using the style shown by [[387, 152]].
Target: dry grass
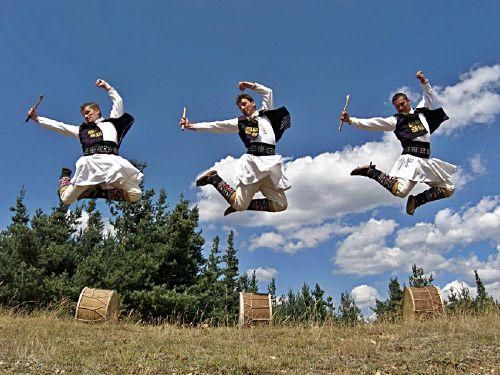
[[48, 343]]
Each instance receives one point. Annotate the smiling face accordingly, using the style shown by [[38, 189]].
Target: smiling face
[[90, 112]]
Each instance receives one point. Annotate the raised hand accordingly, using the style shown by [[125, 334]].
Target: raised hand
[[420, 76], [102, 83], [246, 85]]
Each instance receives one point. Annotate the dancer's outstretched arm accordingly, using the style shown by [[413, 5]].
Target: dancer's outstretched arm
[[374, 123], [57, 126]]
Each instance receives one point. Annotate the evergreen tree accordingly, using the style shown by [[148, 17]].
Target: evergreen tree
[[418, 279], [230, 278], [348, 312], [271, 289], [253, 286], [482, 298], [392, 308], [460, 301]]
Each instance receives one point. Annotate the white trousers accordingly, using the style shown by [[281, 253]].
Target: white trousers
[[405, 186], [131, 189], [245, 193]]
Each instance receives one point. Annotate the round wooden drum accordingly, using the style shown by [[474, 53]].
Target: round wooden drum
[[255, 309], [422, 302], [96, 305]]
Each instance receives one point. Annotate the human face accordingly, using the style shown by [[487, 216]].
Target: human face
[[91, 114], [247, 107], [402, 105]]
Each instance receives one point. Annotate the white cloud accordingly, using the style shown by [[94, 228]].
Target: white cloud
[[477, 164], [472, 224], [263, 273], [364, 252], [292, 240], [364, 296], [473, 100], [457, 286], [378, 246]]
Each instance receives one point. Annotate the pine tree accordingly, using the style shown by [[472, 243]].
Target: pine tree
[[418, 279], [348, 312], [271, 289], [482, 298], [253, 286], [230, 278], [392, 308]]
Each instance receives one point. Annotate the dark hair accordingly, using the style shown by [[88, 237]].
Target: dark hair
[[399, 95], [91, 105], [244, 96]]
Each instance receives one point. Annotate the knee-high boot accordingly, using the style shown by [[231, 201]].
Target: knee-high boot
[[212, 178], [432, 194], [389, 182]]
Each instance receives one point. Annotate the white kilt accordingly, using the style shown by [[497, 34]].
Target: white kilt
[[422, 170], [105, 169], [251, 168]]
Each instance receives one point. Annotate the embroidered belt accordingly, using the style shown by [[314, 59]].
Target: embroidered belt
[[418, 149], [100, 149], [261, 149]]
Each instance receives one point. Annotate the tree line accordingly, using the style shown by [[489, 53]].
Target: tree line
[[152, 255]]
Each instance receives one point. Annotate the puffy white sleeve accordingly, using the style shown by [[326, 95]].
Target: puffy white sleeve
[[375, 123], [223, 126], [267, 96], [117, 110], [428, 97], [59, 127]]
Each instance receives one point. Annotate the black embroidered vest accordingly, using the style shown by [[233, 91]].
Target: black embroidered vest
[[91, 137], [248, 128], [409, 126]]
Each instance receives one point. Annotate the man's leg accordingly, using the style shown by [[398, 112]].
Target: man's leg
[[438, 190], [69, 193], [274, 201], [389, 182], [127, 191]]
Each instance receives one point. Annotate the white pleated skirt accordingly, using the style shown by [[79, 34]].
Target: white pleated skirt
[[422, 170], [251, 168], [106, 170]]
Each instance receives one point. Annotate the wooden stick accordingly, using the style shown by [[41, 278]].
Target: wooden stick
[[347, 98], [183, 116], [35, 106]]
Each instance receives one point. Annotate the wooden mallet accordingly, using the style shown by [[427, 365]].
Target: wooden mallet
[[35, 106], [347, 98]]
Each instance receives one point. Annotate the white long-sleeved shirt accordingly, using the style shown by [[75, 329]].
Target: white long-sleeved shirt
[[389, 123], [108, 130], [266, 132]]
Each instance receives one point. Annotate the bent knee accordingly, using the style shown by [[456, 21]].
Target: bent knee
[[278, 206], [134, 195], [401, 190], [448, 191]]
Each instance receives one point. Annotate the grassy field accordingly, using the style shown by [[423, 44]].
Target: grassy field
[[45, 343]]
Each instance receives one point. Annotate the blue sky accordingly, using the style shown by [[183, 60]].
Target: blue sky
[[343, 232]]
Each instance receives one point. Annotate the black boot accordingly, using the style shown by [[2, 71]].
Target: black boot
[[65, 172], [389, 182], [222, 186], [432, 194]]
